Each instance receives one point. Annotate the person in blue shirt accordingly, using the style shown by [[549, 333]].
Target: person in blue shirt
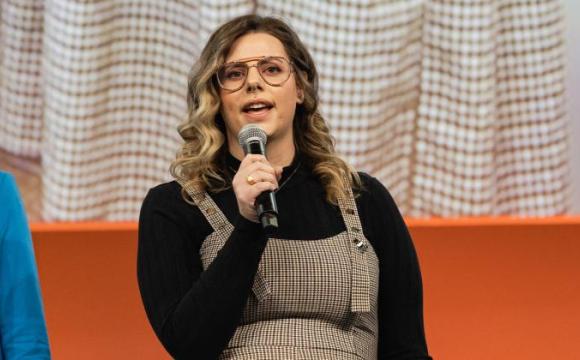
[[22, 327]]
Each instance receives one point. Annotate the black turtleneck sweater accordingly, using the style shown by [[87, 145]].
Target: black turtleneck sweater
[[195, 313]]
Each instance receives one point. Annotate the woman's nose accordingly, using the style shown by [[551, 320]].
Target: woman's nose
[[253, 80]]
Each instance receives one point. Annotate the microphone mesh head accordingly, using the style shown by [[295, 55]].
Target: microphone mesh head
[[251, 132]]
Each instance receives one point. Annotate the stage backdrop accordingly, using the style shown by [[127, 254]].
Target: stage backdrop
[[458, 107]]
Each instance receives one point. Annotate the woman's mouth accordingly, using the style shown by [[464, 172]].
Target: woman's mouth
[[257, 109]]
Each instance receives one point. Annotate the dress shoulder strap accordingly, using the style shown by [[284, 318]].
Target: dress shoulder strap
[[207, 206], [358, 248]]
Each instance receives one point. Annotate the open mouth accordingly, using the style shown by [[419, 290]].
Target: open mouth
[[257, 107]]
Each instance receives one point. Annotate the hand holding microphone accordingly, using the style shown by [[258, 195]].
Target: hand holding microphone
[[256, 180]]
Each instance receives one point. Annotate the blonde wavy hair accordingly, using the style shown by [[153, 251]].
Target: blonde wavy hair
[[201, 160]]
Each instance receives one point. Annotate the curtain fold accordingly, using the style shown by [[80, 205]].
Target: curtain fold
[[491, 133], [458, 107], [21, 100], [115, 85]]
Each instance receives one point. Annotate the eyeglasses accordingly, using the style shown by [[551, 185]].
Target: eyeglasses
[[274, 70]]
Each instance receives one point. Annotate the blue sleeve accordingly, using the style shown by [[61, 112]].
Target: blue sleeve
[[22, 327]]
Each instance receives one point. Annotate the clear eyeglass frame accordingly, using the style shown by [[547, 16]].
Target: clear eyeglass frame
[[260, 61]]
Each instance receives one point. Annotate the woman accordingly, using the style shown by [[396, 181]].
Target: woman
[[338, 279], [22, 327]]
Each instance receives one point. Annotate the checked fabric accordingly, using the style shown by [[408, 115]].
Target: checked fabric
[[325, 288]]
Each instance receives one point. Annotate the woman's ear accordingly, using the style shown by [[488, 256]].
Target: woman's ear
[[302, 79], [299, 96]]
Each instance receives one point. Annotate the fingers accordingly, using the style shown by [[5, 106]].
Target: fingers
[[250, 193], [259, 188], [252, 158], [259, 176], [254, 176], [255, 169], [246, 197]]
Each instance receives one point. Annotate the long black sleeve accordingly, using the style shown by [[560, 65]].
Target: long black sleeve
[[192, 311], [401, 330]]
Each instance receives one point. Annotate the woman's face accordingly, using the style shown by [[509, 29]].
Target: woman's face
[[246, 105]]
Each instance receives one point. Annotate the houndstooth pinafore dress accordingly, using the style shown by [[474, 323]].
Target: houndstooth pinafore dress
[[311, 299]]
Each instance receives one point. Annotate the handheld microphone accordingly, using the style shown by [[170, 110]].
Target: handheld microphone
[[253, 140]]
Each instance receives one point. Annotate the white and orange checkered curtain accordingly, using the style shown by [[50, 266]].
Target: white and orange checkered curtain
[[457, 106]]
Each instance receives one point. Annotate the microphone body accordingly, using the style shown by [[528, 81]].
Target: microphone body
[[253, 140]]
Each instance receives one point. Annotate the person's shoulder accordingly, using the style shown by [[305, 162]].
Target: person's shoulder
[[370, 183], [164, 194], [380, 210], [8, 188], [165, 205], [6, 180], [167, 201], [374, 191], [166, 188], [12, 209]]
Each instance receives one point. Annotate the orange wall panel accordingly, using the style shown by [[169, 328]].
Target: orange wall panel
[[494, 288], [89, 285], [501, 289]]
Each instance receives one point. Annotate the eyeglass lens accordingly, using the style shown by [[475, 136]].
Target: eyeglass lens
[[273, 70]]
